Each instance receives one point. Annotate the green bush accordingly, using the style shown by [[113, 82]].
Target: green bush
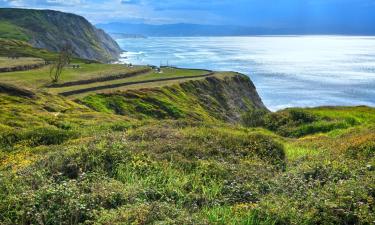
[[36, 137], [254, 118], [300, 122], [363, 146]]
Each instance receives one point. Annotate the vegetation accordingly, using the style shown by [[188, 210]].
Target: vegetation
[[11, 31], [40, 78], [5, 62], [147, 74], [10, 47], [62, 61], [184, 153], [49, 28], [199, 148]]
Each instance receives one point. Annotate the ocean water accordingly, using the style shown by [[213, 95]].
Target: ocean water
[[288, 71]]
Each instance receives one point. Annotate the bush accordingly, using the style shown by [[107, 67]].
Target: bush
[[101, 158], [254, 118], [226, 144], [300, 122], [36, 137], [363, 146]]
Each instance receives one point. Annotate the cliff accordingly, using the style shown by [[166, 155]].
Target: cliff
[[51, 29]]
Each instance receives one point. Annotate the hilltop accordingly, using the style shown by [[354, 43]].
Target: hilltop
[[49, 30]]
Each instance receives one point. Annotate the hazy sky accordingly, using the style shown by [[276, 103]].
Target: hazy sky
[[269, 13]]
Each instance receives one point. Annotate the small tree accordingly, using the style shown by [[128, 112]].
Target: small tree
[[63, 60]]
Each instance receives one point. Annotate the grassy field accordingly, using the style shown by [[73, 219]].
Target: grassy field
[[23, 61], [39, 78], [157, 84], [152, 75]]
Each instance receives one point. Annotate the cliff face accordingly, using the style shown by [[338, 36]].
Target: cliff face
[[209, 99], [51, 29]]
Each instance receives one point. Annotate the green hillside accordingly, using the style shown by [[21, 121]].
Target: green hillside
[[121, 144], [11, 47], [11, 31], [51, 30], [194, 151]]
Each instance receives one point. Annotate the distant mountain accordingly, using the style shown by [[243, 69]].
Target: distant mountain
[[51, 29], [183, 29], [122, 35]]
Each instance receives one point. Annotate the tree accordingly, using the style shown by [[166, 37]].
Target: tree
[[63, 60]]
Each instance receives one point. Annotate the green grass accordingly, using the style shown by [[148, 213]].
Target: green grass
[[297, 122], [51, 28], [40, 77], [169, 154], [11, 31], [295, 152], [23, 61], [157, 84], [167, 73], [9, 47], [172, 172], [362, 114], [177, 100]]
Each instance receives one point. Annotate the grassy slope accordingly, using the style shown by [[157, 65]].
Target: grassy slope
[[9, 47], [166, 155], [24, 61], [178, 100], [51, 28], [11, 31]]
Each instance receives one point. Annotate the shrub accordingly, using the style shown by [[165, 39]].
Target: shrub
[[300, 122], [47, 136], [225, 144], [254, 118], [363, 146], [36, 137], [100, 157]]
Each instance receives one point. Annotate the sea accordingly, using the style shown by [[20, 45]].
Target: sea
[[288, 71]]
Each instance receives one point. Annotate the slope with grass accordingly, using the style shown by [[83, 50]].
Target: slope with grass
[[10, 48], [50, 30], [19, 64], [215, 98], [63, 162], [198, 150]]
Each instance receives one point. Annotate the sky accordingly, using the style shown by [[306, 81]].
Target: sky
[[353, 14]]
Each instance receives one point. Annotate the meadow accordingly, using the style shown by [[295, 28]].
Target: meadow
[[7, 63]]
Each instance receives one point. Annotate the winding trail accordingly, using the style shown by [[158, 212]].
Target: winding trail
[[97, 88]]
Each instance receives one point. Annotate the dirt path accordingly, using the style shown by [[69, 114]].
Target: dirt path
[[84, 90]]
